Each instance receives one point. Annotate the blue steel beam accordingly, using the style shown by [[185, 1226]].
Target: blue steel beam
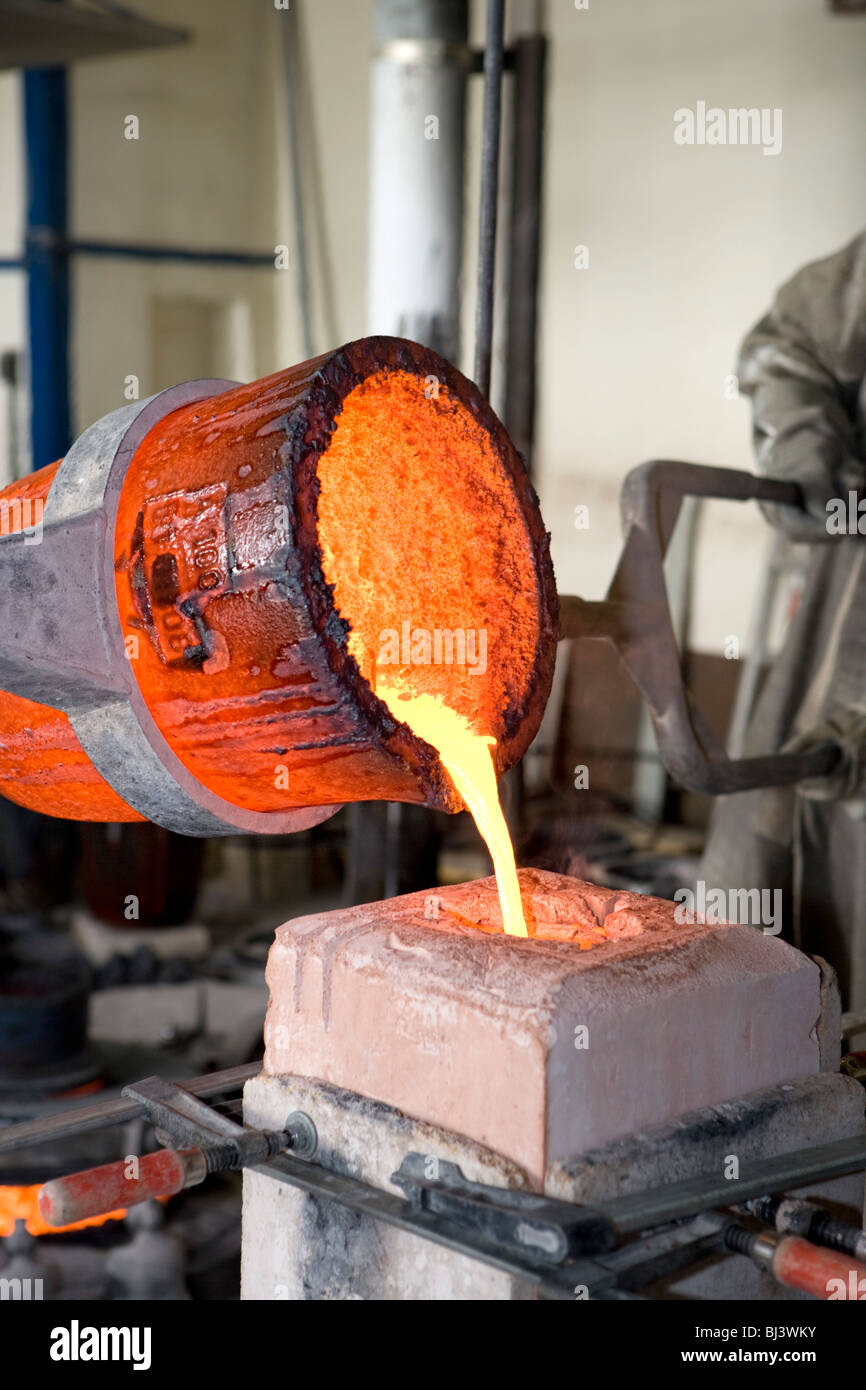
[[47, 261]]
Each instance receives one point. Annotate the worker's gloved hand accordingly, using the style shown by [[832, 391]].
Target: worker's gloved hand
[[847, 781], [821, 482]]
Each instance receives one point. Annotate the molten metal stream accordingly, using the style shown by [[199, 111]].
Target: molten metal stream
[[467, 756], [423, 540]]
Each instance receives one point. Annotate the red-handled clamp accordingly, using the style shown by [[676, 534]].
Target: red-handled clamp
[[212, 1142]]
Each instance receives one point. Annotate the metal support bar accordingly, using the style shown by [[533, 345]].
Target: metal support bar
[[530, 61], [453, 1234], [491, 128], [633, 1265], [681, 1200], [635, 617], [104, 1113], [141, 251]]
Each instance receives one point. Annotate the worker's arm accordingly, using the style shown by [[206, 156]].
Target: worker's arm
[[803, 366]]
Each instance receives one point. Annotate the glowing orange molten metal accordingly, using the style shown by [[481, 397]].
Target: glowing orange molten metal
[[291, 559], [19, 1204], [467, 757], [439, 626]]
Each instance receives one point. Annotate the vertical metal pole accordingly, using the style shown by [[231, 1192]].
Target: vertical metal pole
[[524, 256], [491, 127], [777, 561], [650, 778], [46, 137], [524, 253]]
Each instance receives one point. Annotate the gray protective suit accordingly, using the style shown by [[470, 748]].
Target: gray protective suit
[[804, 366]]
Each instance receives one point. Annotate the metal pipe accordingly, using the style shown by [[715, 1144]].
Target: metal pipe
[[530, 63], [529, 54], [417, 160], [491, 127], [141, 251], [776, 564], [677, 1201], [74, 1120]]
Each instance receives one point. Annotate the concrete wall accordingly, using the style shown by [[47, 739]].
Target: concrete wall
[[686, 244], [201, 176]]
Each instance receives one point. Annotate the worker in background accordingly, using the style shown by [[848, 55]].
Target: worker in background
[[804, 368]]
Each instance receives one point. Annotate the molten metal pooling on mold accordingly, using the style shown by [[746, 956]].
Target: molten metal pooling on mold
[[467, 757]]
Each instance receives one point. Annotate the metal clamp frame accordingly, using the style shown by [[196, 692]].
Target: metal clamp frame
[[635, 617], [610, 1249]]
